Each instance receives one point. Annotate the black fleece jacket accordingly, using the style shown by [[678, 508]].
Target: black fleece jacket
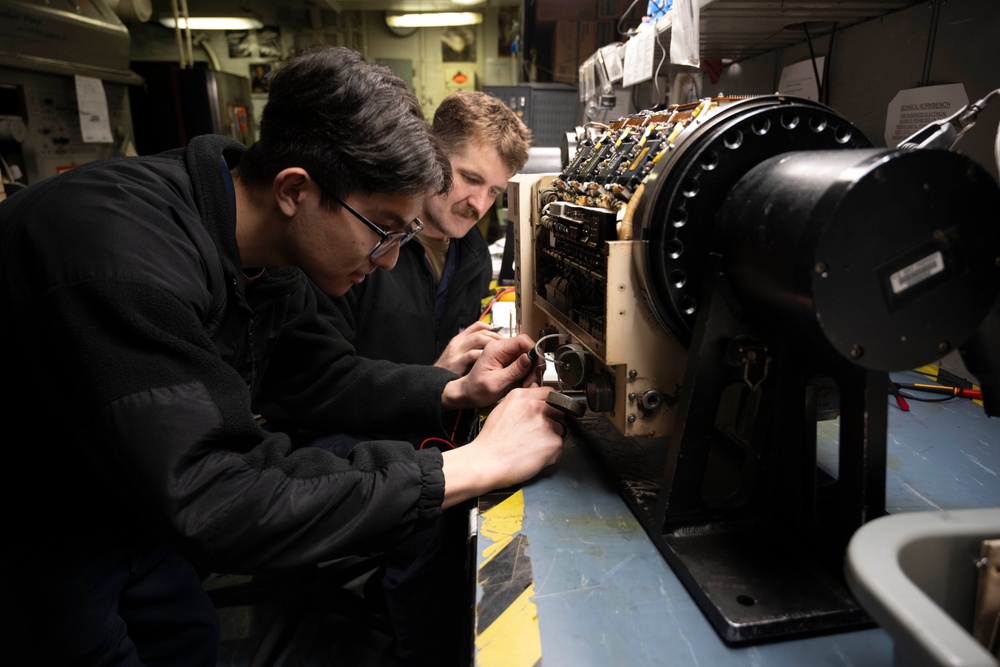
[[391, 314], [136, 351]]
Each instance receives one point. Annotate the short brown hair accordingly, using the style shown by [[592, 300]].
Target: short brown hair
[[472, 116]]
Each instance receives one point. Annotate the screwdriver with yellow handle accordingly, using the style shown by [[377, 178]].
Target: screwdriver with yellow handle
[[947, 391]]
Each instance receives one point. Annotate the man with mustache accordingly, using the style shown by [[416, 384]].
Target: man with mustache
[[426, 311], [154, 302]]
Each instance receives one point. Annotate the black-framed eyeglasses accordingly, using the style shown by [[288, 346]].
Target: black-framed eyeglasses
[[387, 240]]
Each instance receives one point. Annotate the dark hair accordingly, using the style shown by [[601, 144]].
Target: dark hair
[[473, 116], [352, 124]]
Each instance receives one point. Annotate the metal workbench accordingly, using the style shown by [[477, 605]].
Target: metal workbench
[[566, 575]]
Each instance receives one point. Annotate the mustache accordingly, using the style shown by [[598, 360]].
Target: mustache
[[465, 210]]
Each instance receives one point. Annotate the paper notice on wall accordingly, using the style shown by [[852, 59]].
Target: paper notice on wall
[[914, 108], [95, 123], [799, 79], [686, 37], [611, 55], [586, 78], [639, 50]]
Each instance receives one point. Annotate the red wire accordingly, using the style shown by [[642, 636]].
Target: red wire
[[429, 440], [454, 428], [489, 306]]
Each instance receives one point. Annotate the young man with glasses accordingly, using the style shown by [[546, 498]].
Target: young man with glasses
[[387, 240], [152, 303], [426, 311], [435, 292]]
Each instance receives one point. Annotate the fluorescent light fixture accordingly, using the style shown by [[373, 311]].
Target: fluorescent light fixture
[[467, 2], [432, 19], [215, 22]]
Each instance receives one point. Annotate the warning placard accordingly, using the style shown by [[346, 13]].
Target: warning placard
[[912, 109]]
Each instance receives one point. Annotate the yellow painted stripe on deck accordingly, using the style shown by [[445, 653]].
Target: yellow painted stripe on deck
[[501, 523], [513, 639]]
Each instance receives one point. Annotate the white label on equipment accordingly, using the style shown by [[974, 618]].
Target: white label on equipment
[[916, 273]]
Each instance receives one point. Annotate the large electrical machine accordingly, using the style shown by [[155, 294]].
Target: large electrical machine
[[715, 281]]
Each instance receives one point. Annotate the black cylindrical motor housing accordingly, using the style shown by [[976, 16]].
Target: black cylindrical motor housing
[[684, 191], [889, 256]]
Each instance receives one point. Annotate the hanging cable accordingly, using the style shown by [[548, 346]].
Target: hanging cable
[[202, 42], [946, 132], [177, 34], [187, 33], [812, 58], [656, 72], [996, 148], [627, 33]]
